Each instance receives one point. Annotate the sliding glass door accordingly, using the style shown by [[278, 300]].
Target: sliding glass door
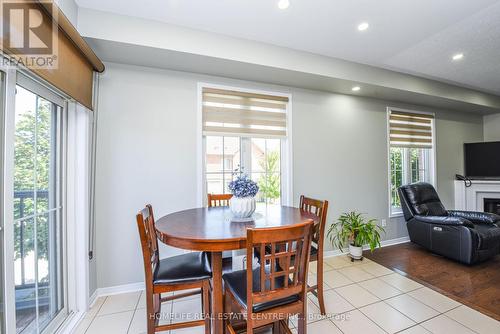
[[2, 243], [38, 211]]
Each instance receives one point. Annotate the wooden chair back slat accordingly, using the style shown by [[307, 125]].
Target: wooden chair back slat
[[149, 242], [215, 200], [263, 267], [288, 261], [289, 256], [150, 253], [319, 209]]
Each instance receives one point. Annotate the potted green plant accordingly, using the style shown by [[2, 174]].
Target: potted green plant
[[357, 231]]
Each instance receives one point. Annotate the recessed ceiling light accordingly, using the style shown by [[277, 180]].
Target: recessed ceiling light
[[458, 56], [356, 88], [283, 4], [363, 26]]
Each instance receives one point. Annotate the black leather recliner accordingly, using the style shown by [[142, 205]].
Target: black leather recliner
[[468, 237]]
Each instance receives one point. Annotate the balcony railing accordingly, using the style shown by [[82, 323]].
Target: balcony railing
[[25, 291]]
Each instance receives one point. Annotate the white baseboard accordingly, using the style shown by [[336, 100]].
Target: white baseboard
[[114, 290], [396, 241], [93, 299], [384, 243]]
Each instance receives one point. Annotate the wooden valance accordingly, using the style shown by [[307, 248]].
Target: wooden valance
[[76, 62]]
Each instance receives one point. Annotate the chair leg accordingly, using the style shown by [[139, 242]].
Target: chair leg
[[151, 325], [320, 288], [277, 327], [302, 324], [227, 311], [250, 324], [206, 306], [153, 308]]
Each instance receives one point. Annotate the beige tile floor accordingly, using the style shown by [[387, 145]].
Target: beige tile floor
[[361, 297]]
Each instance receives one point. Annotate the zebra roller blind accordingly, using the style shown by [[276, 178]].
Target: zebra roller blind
[[408, 129], [234, 113]]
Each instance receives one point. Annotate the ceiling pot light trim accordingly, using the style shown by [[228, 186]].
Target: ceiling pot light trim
[[363, 26], [458, 56], [283, 4]]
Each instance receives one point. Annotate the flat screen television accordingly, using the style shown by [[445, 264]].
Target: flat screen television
[[482, 160]]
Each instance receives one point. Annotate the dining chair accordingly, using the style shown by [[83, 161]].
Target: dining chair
[[177, 273], [320, 209], [218, 199], [277, 288]]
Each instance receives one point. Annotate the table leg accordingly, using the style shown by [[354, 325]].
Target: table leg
[[217, 306]]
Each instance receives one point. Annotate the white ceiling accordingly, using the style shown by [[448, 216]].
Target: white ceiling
[[413, 36]]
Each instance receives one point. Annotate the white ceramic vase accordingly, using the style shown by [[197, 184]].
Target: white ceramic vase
[[356, 252], [242, 207]]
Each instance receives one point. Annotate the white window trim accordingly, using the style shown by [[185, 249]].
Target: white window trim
[[433, 162], [286, 144]]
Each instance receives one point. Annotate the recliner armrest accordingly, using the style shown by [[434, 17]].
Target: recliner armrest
[[445, 220], [476, 217]]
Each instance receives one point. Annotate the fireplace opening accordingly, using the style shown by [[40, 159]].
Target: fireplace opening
[[492, 205]]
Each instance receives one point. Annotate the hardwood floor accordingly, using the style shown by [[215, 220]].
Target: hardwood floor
[[476, 286]]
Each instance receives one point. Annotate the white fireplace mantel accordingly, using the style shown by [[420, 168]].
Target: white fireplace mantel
[[472, 198]]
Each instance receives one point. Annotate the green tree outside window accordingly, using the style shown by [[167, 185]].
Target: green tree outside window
[[269, 182]]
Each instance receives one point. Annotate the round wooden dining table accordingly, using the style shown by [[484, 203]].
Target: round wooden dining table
[[213, 230]]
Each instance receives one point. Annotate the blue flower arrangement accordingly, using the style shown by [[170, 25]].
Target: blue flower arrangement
[[243, 186]]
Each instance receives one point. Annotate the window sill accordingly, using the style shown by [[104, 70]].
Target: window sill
[[396, 215]]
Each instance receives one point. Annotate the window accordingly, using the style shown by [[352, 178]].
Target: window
[[222, 155], [266, 169], [246, 132], [411, 152], [258, 157]]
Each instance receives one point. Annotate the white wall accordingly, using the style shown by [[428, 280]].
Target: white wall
[[70, 10], [147, 154], [492, 127]]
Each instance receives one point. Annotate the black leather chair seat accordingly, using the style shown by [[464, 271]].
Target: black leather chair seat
[[183, 268], [488, 237], [314, 251], [237, 282]]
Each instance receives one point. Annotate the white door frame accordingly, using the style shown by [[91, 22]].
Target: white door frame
[[7, 198]]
